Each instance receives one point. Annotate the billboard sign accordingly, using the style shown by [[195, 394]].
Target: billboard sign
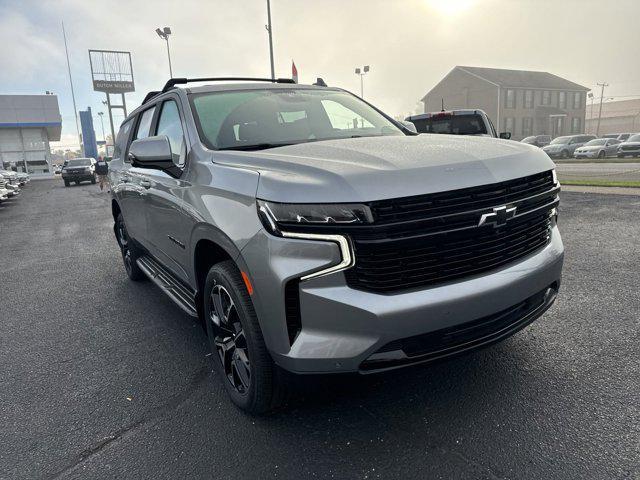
[[111, 71]]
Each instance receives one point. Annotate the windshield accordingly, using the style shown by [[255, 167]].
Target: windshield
[[79, 162], [597, 141], [560, 141], [256, 119], [634, 138], [452, 125]]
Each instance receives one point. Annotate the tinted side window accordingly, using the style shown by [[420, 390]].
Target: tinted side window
[[145, 124], [121, 139], [169, 124]]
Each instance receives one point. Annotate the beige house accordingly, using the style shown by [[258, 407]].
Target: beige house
[[621, 116], [517, 101]]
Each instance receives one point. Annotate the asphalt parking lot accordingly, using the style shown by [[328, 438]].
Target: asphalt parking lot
[[104, 378]]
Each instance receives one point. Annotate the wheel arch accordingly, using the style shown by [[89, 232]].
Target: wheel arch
[[209, 246], [115, 209]]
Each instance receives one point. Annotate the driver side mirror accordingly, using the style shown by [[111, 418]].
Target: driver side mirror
[[505, 135], [153, 152], [409, 126]]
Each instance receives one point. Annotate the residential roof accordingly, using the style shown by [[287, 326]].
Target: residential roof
[[620, 108], [522, 78]]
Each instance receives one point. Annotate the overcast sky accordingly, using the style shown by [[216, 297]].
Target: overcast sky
[[410, 44]]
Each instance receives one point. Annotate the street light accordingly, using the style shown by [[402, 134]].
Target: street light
[[164, 34], [362, 73], [103, 137]]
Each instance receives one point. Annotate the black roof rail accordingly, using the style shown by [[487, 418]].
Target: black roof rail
[[149, 96], [172, 82]]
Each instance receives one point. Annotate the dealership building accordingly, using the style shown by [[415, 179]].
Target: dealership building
[[27, 124]]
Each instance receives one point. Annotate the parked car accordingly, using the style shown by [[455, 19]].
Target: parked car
[[598, 148], [537, 140], [4, 192], [79, 170], [563, 147], [630, 148], [23, 178], [618, 136], [313, 233], [13, 184], [456, 122]]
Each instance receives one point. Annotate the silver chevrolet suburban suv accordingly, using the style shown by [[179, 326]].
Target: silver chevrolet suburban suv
[[312, 233]]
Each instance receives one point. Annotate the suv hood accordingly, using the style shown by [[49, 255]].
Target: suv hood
[[376, 168]]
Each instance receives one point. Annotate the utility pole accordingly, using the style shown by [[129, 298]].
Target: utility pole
[[270, 30], [602, 85], [73, 95], [590, 95]]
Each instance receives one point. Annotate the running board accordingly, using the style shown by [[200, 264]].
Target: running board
[[175, 289]]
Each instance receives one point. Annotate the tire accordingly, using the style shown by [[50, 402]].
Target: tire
[[130, 252], [93, 179], [601, 154], [66, 183], [255, 384], [620, 156], [77, 182]]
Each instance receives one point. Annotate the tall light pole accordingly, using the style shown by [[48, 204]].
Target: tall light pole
[[270, 30], [106, 152], [164, 34], [73, 95], [602, 85], [362, 73]]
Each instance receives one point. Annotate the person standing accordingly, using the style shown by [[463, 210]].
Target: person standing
[[102, 169]]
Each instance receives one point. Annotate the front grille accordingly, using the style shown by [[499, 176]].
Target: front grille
[[630, 147], [431, 239]]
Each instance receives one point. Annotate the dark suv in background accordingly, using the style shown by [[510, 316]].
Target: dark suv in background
[[79, 170], [311, 233]]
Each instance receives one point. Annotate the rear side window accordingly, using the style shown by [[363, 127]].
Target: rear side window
[[121, 139], [169, 124], [453, 125], [144, 127]]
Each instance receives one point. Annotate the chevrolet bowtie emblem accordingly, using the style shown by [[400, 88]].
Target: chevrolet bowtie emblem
[[498, 217]]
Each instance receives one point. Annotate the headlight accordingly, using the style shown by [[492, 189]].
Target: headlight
[[275, 215], [554, 175]]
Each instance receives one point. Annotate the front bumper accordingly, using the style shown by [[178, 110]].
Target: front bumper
[[78, 177], [629, 152], [593, 154], [341, 328]]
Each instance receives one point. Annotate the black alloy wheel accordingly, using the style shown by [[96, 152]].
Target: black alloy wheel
[[128, 250], [230, 340], [249, 375]]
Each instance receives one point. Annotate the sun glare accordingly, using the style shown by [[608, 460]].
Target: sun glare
[[450, 7]]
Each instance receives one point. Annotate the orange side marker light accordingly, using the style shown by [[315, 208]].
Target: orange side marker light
[[247, 282]]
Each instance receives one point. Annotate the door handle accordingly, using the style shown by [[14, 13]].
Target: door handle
[[145, 184]]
